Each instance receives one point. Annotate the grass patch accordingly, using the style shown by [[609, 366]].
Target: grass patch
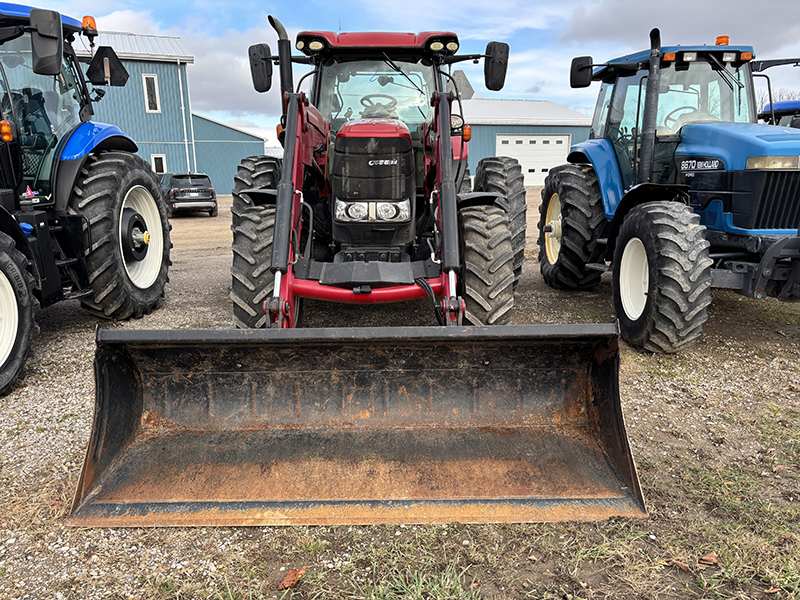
[[411, 584], [740, 497]]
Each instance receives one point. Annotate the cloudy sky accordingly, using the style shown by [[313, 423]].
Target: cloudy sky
[[544, 36]]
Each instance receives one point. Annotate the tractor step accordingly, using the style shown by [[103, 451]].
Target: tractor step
[[602, 267], [76, 295]]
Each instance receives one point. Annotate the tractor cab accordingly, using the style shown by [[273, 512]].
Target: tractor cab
[[43, 93], [698, 85], [376, 91], [42, 108]]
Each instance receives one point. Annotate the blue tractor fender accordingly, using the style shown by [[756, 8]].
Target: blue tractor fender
[[86, 139], [600, 154], [617, 202]]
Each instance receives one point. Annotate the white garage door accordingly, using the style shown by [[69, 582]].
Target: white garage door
[[537, 154]]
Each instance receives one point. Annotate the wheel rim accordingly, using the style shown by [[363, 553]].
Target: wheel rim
[[634, 278], [9, 318], [552, 238], [143, 273]]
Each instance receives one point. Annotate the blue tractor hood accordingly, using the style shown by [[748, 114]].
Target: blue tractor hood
[[734, 142]]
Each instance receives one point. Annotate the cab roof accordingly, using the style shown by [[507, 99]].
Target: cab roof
[[785, 105], [644, 55], [641, 60], [376, 41], [21, 14]]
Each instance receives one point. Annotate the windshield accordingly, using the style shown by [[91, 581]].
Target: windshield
[[703, 91], [381, 88], [43, 107], [192, 181]]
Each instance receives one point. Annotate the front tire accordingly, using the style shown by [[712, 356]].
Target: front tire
[[128, 260], [503, 175], [571, 216], [17, 314], [487, 274], [252, 282], [662, 277]]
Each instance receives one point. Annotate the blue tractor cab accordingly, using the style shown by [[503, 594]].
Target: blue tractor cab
[[677, 190]]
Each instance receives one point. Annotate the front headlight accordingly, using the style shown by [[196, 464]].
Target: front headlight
[[773, 162], [372, 211]]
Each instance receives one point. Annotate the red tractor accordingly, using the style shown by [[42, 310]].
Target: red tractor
[[371, 202]]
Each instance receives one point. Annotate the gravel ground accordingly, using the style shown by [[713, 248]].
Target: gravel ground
[[747, 359]]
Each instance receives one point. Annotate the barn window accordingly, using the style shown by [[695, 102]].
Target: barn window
[[159, 163], [152, 100], [532, 142], [504, 142], [519, 141], [546, 142], [559, 141], [531, 170]]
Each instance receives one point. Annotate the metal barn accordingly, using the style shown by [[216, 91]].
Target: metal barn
[[155, 109], [538, 133]]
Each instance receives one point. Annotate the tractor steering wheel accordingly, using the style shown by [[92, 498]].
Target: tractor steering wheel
[[367, 102], [674, 119]]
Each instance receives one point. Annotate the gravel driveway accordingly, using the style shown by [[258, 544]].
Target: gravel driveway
[[747, 357]]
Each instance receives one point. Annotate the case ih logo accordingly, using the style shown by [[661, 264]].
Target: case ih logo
[[382, 163]]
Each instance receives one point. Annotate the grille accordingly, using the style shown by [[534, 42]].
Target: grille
[[778, 204]]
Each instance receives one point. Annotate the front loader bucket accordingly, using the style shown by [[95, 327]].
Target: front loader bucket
[[357, 426]]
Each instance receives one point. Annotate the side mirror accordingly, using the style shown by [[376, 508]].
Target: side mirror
[[260, 66], [106, 68], [495, 65], [795, 123], [580, 73], [47, 41]]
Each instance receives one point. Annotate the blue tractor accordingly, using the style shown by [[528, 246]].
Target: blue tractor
[[677, 190], [81, 216]]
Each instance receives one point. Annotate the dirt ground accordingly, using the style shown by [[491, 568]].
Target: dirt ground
[[715, 432]]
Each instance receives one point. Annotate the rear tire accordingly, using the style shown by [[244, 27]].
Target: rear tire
[[125, 283], [662, 277], [572, 207], [17, 314], [214, 211], [503, 175], [488, 265], [254, 172], [252, 281]]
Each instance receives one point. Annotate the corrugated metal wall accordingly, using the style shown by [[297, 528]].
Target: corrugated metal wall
[[484, 138], [155, 133], [220, 149], [213, 148]]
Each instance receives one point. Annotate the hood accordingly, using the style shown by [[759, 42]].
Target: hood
[[734, 142]]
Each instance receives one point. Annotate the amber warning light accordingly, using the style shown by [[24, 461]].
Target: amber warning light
[[89, 26], [5, 131], [723, 40]]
